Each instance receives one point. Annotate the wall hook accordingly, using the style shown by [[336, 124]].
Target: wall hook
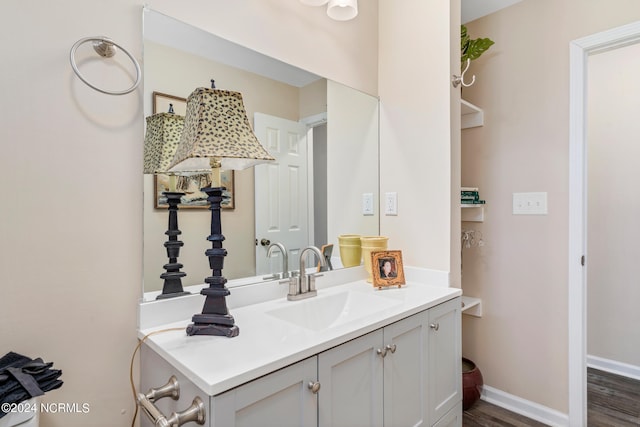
[[459, 80]]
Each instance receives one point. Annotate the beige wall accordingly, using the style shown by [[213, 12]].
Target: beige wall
[[352, 156], [520, 343], [613, 233], [415, 154], [72, 237]]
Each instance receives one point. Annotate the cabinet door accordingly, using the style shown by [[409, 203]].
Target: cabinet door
[[280, 399], [453, 418], [445, 358], [351, 379], [405, 376]]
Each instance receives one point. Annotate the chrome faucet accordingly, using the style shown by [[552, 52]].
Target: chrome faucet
[[285, 261], [304, 285]]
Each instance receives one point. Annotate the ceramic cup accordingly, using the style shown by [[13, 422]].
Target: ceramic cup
[[370, 244], [350, 250]]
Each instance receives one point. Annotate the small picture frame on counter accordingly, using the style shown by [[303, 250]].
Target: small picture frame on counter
[[387, 269]]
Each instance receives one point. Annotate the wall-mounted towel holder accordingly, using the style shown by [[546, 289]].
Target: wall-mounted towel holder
[[106, 48]]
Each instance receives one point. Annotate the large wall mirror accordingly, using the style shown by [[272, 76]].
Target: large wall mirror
[[338, 155]]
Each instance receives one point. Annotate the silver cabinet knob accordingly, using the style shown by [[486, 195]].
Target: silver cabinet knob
[[382, 351], [314, 386], [391, 348], [435, 326]]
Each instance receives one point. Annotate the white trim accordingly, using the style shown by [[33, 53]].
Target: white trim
[[614, 367], [315, 120], [579, 51], [524, 407], [310, 187]]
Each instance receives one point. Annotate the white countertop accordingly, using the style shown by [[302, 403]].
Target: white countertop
[[267, 343]]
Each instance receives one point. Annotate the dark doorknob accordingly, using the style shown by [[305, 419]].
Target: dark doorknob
[[265, 242]]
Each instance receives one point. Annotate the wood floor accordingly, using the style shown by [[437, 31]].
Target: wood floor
[[613, 401]]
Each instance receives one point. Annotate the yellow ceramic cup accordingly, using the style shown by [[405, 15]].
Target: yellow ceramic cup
[[350, 251], [370, 244]]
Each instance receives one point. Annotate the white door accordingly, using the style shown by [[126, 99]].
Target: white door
[[281, 192]]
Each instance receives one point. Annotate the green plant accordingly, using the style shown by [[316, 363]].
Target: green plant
[[472, 48]]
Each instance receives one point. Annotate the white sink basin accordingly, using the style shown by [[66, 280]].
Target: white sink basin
[[327, 311]]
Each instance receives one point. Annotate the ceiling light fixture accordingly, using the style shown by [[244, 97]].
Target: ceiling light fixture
[[340, 10]]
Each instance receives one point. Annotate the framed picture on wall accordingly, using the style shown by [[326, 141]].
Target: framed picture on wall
[[162, 101], [191, 185], [387, 269]]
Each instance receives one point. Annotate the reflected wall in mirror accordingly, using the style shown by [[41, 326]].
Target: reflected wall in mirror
[[340, 139]]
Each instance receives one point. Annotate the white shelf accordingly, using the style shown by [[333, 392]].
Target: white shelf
[[471, 116], [472, 213], [471, 306]]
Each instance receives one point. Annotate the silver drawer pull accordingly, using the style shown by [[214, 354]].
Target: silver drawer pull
[[382, 351], [194, 413], [391, 348], [435, 326]]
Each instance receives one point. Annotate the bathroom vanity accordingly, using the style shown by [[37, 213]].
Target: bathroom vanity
[[351, 356]]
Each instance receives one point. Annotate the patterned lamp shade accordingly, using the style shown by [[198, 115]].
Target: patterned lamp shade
[[161, 141], [216, 126]]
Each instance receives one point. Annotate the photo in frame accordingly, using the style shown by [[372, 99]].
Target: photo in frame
[[191, 185], [161, 103], [387, 269]]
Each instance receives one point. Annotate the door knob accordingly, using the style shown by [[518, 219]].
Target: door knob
[[265, 242]]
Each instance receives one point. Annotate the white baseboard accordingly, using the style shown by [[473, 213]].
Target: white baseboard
[[615, 367], [524, 407]]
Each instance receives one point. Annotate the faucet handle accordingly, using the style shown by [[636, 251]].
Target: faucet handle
[[312, 280], [293, 285]]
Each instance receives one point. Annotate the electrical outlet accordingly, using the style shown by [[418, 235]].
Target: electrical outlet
[[391, 203], [530, 203], [367, 204]]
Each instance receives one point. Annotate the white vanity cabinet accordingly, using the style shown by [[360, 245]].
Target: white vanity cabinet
[[284, 398], [406, 373], [444, 370]]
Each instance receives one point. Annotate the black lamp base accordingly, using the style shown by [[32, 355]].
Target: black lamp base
[[215, 318], [172, 286]]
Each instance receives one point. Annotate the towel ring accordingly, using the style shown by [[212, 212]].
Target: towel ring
[[104, 46]]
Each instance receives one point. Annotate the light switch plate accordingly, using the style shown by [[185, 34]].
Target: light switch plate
[[391, 203], [367, 203], [530, 203]]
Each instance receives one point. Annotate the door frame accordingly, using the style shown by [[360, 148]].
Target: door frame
[[579, 51]]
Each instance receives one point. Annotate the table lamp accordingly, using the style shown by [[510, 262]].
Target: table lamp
[[216, 134], [160, 143]]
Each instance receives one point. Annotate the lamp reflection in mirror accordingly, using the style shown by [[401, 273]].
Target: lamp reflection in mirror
[[160, 144], [216, 133]]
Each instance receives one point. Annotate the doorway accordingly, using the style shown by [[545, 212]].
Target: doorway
[[580, 51]]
